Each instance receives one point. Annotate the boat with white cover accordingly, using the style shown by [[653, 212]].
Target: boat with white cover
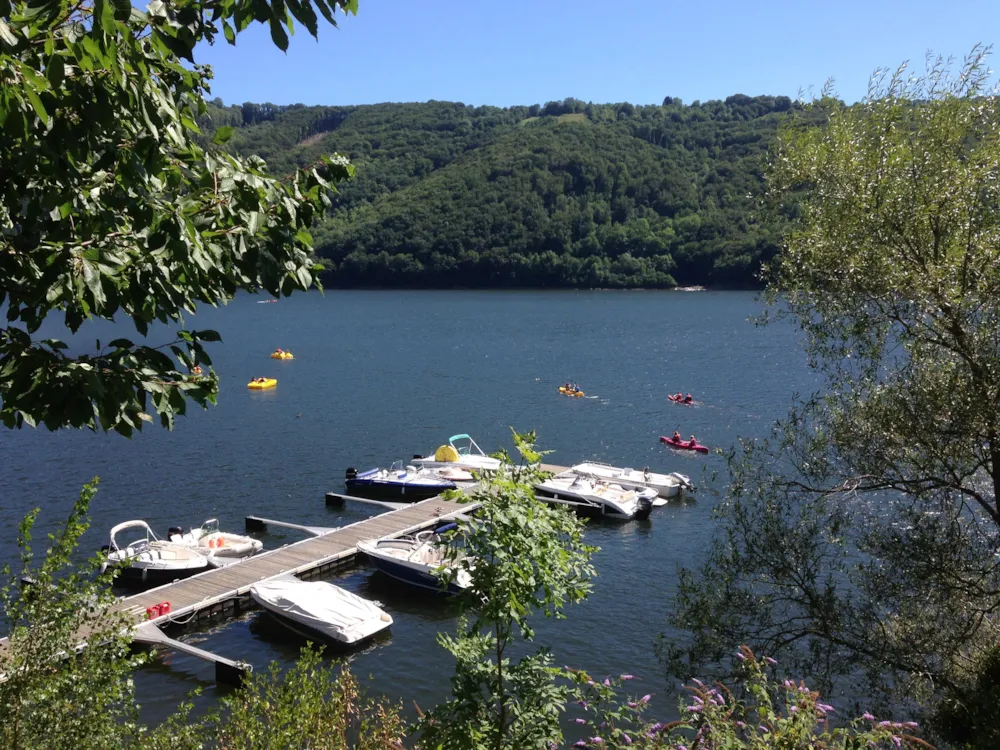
[[414, 560], [405, 483], [220, 547], [594, 497], [148, 560], [320, 610], [666, 485], [461, 451]]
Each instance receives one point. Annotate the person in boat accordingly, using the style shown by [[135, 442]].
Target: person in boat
[[677, 437], [692, 442], [688, 399]]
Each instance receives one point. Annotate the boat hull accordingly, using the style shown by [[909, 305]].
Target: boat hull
[[396, 492], [131, 576], [594, 510]]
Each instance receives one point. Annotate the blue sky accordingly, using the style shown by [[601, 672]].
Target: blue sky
[[485, 52]]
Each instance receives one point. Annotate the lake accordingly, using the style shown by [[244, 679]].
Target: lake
[[379, 376]]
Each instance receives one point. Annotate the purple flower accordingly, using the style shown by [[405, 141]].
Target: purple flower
[[770, 661], [628, 740], [580, 721], [645, 698], [607, 682], [656, 727], [885, 723], [596, 741], [698, 682], [763, 729], [794, 709], [680, 747], [910, 724], [788, 684], [628, 677], [740, 656], [590, 682], [579, 743], [825, 708], [867, 716], [584, 704], [741, 724], [897, 741]]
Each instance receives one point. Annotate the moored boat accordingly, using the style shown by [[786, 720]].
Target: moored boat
[[683, 445], [148, 560], [318, 610], [220, 547], [413, 560], [461, 451], [666, 485], [399, 483], [595, 497]]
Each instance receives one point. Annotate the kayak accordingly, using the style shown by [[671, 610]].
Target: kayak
[[282, 355], [679, 400], [566, 392], [683, 445], [258, 386]]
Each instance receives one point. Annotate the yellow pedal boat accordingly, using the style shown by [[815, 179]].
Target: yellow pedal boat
[[259, 385], [282, 355], [567, 392]]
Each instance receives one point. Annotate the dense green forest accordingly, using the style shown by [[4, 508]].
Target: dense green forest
[[569, 194]]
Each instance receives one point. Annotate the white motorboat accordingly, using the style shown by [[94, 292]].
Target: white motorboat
[[595, 497], [147, 560], [415, 560], [320, 610], [461, 451], [220, 547], [666, 485]]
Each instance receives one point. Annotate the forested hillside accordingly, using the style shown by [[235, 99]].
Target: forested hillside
[[566, 195]]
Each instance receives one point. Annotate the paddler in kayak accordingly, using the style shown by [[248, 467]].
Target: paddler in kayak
[[687, 399], [692, 442], [677, 437]]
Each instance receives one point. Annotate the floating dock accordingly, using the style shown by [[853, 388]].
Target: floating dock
[[223, 591]]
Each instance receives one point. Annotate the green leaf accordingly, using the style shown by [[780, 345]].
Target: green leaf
[[278, 35], [123, 10], [55, 71], [37, 105], [6, 35], [223, 134], [207, 335], [227, 30]]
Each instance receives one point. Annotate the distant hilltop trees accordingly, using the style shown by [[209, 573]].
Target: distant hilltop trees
[[565, 194]]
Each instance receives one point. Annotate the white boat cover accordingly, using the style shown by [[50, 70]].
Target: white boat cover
[[327, 609]]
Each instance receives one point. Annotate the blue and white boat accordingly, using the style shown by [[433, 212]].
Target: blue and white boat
[[401, 483], [414, 561]]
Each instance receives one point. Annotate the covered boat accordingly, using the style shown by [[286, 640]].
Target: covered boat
[[318, 610], [414, 560], [461, 450], [594, 497], [220, 547], [666, 485], [398, 483], [683, 445], [147, 560]]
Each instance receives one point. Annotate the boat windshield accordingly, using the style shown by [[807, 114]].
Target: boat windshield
[[397, 466], [465, 445]]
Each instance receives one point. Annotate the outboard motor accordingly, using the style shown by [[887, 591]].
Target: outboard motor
[[417, 455], [645, 508], [351, 473], [175, 531]]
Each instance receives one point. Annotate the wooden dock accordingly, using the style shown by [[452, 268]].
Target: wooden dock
[[224, 591]]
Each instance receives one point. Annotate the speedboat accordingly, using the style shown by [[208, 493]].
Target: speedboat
[[318, 610], [595, 497], [399, 483], [461, 450], [414, 560], [220, 547], [683, 445], [148, 560], [666, 485]]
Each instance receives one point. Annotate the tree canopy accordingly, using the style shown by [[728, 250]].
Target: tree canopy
[[862, 538], [569, 194], [110, 202]]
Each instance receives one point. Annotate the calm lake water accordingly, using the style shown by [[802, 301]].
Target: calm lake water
[[380, 376]]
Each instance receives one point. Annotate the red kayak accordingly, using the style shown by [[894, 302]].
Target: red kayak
[[683, 445], [679, 400]]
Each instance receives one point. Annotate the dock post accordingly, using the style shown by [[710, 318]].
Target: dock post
[[255, 524], [334, 500], [231, 673]]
